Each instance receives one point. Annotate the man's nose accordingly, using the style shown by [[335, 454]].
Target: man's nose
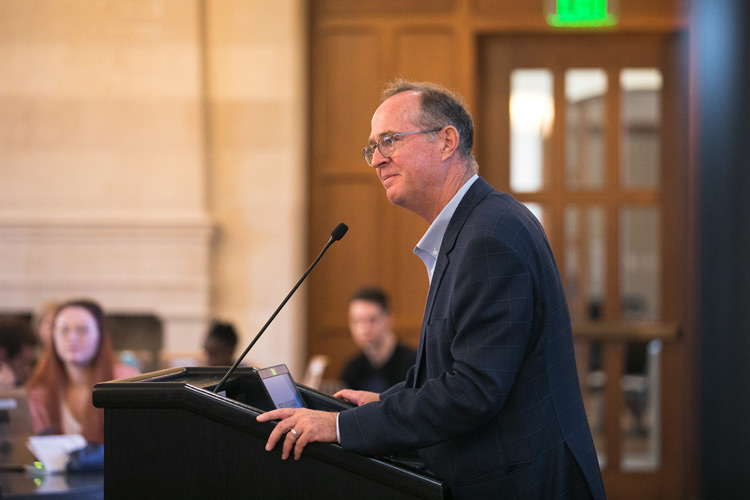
[[378, 160]]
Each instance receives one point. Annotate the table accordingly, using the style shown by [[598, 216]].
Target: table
[[20, 485]]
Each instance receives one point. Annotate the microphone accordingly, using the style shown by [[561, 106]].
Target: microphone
[[337, 233]]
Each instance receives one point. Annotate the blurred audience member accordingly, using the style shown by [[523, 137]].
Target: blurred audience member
[[42, 322], [17, 351], [80, 356], [220, 343], [383, 361]]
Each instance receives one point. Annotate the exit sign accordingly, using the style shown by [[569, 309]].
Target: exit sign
[[580, 13]]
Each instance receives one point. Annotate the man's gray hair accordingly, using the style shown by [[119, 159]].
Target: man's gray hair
[[439, 107]]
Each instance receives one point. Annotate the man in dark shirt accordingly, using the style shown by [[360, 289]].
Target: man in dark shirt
[[383, 361]]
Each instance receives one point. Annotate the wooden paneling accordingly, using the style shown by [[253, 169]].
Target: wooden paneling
[[343, 65], [342, 187], [353, 260], [350, 64], [418, 50], [513, 10], [380, 9]]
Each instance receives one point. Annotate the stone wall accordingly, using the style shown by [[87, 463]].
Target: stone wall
[[152, 158]]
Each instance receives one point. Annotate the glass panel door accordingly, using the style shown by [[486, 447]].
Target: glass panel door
[[576, 135]]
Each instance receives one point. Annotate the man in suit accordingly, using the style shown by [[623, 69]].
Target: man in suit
[[493, 402]]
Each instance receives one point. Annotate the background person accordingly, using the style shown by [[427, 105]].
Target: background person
[[61, 387], [42, 322], [18, 346], [383, 361], [220, 343], [493, 403]]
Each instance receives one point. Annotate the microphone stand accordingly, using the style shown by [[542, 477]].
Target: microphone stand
[[336, 235]]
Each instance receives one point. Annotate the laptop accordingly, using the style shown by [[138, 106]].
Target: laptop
[[15, 428]]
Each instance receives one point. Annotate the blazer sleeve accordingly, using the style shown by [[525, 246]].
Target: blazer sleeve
[[476, 339]]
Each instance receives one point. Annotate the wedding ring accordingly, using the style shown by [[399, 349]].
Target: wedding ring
[[294, 433]]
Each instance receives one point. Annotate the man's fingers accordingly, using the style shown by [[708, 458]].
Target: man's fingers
[[299, 445], [289, 444], [273, 438], [357, 397], [279, 414]]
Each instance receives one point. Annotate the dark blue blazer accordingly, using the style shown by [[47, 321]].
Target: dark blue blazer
[[493, 403]]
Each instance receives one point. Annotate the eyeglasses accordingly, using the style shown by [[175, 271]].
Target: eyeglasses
[[387, 144]]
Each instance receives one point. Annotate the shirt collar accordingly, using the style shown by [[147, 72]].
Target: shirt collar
[[428, 247]]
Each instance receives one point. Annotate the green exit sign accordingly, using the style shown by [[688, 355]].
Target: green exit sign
[[580, 13]]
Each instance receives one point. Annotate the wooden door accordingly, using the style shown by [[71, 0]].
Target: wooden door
[[589, 131]]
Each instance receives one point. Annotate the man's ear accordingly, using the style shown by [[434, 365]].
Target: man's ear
[[449, 141]]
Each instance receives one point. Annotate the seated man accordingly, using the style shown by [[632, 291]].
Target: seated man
[[383, 361], [220, 344]]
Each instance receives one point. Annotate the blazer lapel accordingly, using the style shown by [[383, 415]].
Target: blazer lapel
[[473, 196]]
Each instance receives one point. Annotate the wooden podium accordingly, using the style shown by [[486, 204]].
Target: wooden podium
[[167, 436]]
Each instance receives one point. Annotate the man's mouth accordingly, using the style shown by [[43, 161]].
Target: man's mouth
[[386, 177]]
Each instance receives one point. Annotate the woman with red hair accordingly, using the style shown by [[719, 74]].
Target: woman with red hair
[[80, 356]]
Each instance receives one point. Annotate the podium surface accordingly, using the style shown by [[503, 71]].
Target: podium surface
[[167, 435]]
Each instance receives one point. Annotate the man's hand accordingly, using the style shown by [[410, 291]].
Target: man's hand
[[301, 426], [359, 398]]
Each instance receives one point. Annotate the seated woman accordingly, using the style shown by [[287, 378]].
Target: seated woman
[[60, 389]]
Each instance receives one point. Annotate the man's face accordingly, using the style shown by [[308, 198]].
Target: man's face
[[414, 167], [368, 323]]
